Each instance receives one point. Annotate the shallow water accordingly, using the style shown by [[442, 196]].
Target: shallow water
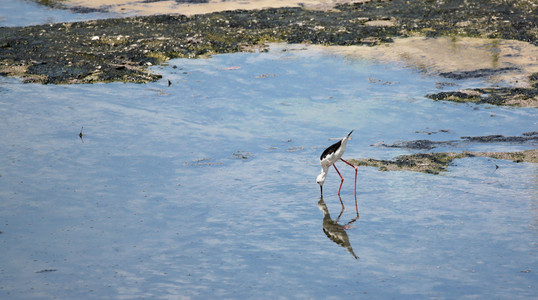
[[26, 12], [206, 188]]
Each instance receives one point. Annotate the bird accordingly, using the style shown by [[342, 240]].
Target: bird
[[329, 157]]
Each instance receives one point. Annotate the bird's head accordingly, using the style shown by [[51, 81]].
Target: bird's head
[[321, 179], [349, 134]]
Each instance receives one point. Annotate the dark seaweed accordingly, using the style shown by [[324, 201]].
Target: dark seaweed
[[66, 53]]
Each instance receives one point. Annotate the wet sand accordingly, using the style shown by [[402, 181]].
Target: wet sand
[[196, 7], [456, 54]]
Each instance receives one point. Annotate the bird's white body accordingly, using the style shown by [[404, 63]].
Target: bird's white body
[[330, 156]]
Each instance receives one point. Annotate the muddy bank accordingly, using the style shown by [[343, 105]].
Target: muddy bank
[[123, 49], [435, 163]]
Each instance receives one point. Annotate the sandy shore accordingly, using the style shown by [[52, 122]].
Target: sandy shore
[[194, 7], [456, 54], [497, 39]]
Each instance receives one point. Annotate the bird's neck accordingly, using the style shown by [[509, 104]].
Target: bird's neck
[[344, 143]]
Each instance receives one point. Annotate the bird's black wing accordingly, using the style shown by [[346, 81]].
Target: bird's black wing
[[330, 150]]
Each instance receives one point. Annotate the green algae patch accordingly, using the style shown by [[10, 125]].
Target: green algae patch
[[122, 49], [431, 163], [435, 163]]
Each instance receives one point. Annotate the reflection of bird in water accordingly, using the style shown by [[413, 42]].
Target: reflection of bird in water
[[329, 157], [335, 231]]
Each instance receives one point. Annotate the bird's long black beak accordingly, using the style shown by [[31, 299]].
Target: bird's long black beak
[[321, 189], [350, 132]]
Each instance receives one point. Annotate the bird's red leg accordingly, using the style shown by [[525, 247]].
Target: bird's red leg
[[355, 167], [341, 182]]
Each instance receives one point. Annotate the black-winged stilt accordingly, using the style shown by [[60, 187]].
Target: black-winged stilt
[[329, 157]]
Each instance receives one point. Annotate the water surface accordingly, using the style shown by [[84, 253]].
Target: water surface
[[206, 188], [27, 12]]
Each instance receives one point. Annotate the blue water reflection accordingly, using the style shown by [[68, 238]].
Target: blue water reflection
[[206, 188]]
